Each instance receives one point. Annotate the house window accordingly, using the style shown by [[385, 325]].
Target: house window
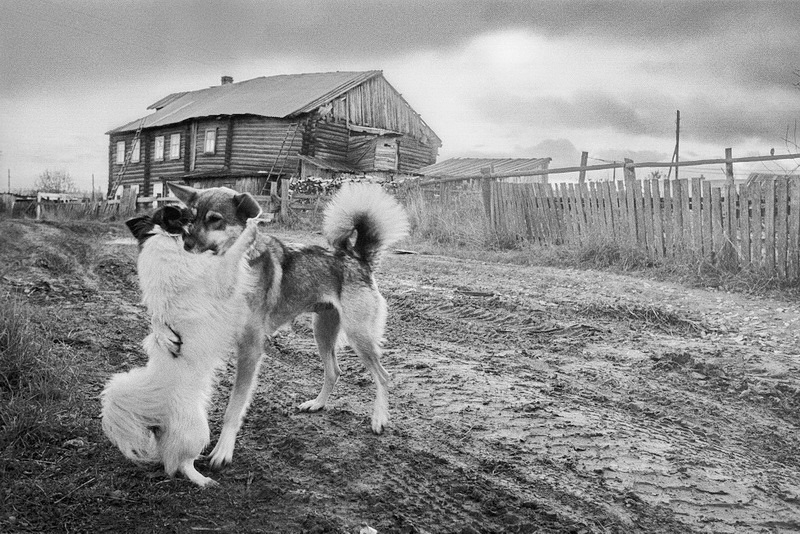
[[159, 155], [120, 152], [175, 146], [211, 141], [158, 189], [135, 152]]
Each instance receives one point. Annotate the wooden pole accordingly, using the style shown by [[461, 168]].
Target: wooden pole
[[285, 199], [584, 162], [729, 166], [677, 142]]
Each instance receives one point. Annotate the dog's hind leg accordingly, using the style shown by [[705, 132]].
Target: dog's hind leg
[[363, 320], [186, 436], [248, 359], [326, 332]]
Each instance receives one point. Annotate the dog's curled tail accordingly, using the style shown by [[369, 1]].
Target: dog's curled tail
[[130, 415], [377, 218]]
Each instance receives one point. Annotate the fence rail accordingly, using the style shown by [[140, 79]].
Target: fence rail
[[756, 225]]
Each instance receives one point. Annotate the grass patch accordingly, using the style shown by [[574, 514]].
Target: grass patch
[[35, 379]]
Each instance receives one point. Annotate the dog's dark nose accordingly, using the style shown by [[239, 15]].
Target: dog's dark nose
[[189, 243]]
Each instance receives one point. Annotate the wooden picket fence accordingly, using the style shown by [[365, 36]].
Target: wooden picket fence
[[736, 226]]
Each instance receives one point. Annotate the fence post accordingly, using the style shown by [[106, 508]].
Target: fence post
[[729, 166], [582, 172], [285, 199]]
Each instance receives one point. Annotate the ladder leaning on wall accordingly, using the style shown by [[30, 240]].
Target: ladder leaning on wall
[[288, 142], [129, 154]]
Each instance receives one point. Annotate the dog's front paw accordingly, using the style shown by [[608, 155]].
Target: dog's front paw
[[311, 406], [221, 456], [380, 420]]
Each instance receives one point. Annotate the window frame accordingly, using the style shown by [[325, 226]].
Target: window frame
[[120, 155], [158, 151], [174, 148], [136, 151], [212, 132]]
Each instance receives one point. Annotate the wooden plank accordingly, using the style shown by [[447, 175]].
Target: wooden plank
[[686, 216], [591, 210], [718, 238], [697, 217], [569, 233], [557, 215], [669, 246], [756, 225], [781, 234], [708, 249], [744, 226], [608, 208], [769, 227], [622, 233], [793, 215], [638, 214], [577, 227], [597, 215], [658, 221], [647, 211], [630, 211], [677, 218]]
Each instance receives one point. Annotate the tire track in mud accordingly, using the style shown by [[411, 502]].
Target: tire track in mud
[[698, 465]]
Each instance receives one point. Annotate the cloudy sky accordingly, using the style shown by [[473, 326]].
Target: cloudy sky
[[499, 79]]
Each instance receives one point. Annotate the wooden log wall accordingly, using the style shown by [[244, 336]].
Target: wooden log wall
[[413, 154], [328, 139], [736, 226]]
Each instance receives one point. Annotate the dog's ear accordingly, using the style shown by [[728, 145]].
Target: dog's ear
[[170, 218], [185, 193], [246, 206], [140, 227]]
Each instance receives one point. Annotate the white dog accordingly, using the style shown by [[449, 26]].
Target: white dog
[[158, 413]]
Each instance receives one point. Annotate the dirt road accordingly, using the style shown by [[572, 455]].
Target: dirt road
[[524, 399]]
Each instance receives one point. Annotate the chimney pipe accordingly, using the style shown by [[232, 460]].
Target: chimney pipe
[[226, 80]]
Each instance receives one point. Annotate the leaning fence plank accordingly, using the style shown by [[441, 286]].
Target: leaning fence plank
[[769, 226], [781, 237], [608, 208], [667, 217], [793, 215], [686, 217], [658, 222], [594, 207], [716, 222], [577, 228], [638, 212], [647, 214], [697, 220], [580, 216], [708, 249], [677, 217], [744, 225], [567, 215], [756, 226]]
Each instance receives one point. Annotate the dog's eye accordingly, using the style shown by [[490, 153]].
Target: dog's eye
[[213, 218]]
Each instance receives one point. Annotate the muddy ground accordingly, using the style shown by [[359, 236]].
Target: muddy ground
[[523, 399]]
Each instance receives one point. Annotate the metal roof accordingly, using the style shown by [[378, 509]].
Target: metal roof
[[475, 166], [269, 96]]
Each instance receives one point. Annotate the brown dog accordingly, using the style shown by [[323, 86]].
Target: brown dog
[[335, 284]]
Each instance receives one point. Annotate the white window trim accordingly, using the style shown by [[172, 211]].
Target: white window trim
[[175, 148], [136, 156], [212, 133], [120, 152], [159, 149]]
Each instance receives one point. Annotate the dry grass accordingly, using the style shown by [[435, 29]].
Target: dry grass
[[34, 379]]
